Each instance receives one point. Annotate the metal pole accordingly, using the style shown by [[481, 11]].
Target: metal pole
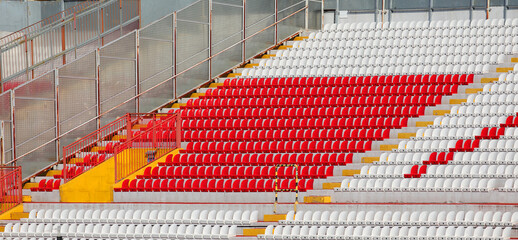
[[210, 39], [137, 70], [27, 57], [120, 16], [1, 73], [376, 7], [430, 11], [175, 27], [306, 24], [243, 45], [97, 81], [56, 96], [382, 13], [322, 15], [13, 125], [488, 5], [471, 10], [276, 25], [506, 5]]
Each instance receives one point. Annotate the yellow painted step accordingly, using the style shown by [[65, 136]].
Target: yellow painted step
[[274, 217], [440, 112], [197, 95], [97, 149], [488, 80], [474, 90], [515, 60], [26, 198], [76, 160], [405, 135], [299, 38], [230, 75], [19, 215], [51, 173], [503, 70], [388, 147], [350, 172], [331, 185], [458, 101], [283, 47], [215, 85], [2, 228], [8, 215], [139, 126], [370, 159], [251, 65], [268, 55], [30, 185], [253, 232], [317, 199], [423, 123]]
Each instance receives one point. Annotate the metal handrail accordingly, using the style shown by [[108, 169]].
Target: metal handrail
[[56, 18]]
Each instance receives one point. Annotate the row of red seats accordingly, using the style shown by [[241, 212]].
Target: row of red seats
[[302, 91], [439, 158], [257, 159], [72, 172], [213, 185], [314, 112], [159, 135], [511, 121], [92, 160], [491, 133], [465, 145], [416, 171], [286, 135], [278, 147], [236, 172], [282, 102], [462, 79], [47, 185], [287, 124]]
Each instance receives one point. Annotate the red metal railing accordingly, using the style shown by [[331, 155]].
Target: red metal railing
[[159, 138], [10, 187], [78, 156]]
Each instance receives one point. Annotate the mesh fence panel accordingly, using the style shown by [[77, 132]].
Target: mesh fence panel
[[294, 23], [315, 15], [34, 116], [225, 35], [156, 63], [5, 115], [192, 46], [117, 77], [259, 14], [77, 98]]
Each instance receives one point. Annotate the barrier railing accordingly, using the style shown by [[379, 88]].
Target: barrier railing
[[10, 187], [158, 139], [151, 67], [105, 140], [279, 188], [41, 47]]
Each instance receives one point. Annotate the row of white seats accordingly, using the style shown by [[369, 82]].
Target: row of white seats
[[508, 31], [103, 231], [438, 171], [405, 218], [492, 99], [483, 110], [447, 133], [469, 121], [510, 185], [421, 185], [379, 233], [500, 88], [389, 60], [130, 216], [486, 145], [364, 71], [460, 42], [440, 24], [462, 158], [509, 77]]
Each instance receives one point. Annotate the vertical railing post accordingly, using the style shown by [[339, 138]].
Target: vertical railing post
[[243, 43], [178, 129], [56, 96], [120, 16], [75, 36], [63, 44], [276, 25], [26, 57], [488, 8], [506, 6], [430, 10], [129, 134], [1, 73], [175, 56], [306, 22], [210, 39], [137, 70], [98, 86], [13, 125]]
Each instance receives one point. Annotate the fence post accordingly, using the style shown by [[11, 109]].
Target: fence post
[[56, 96], [137, 70], [277, 24], [13, 125], [243, 44], [306, 23], [26, 57], [175, 26], [178, 130], [210, 39], [98, 83], [63, 44], [1, 73], [120, 16]]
